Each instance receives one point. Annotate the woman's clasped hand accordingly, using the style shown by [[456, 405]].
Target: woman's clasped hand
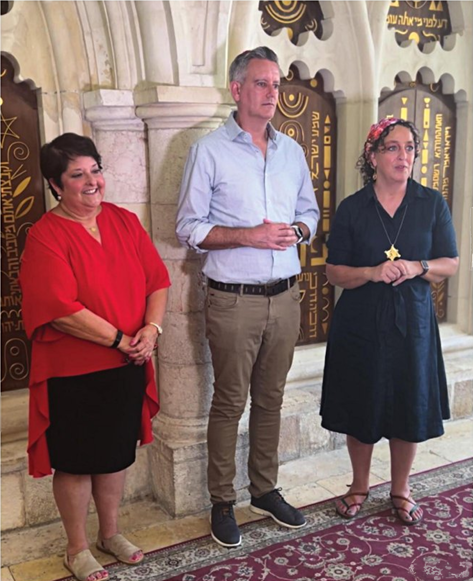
[[395, 272]]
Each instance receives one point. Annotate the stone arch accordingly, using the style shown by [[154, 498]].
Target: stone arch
[[158, 42]]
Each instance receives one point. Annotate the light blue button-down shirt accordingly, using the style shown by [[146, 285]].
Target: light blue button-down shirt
[[227, 182]]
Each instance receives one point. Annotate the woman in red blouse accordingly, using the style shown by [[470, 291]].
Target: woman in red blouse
[[94, 297]]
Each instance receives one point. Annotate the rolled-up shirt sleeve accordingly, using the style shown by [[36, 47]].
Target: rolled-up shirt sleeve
[[307, 210], [192, 224]]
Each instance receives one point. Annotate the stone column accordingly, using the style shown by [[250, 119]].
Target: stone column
[[175, 120], [120, 137]]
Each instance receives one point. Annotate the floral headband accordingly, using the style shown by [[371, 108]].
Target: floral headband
[[375, 133]]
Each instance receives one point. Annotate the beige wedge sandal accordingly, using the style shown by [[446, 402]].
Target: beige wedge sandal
[[120, 548], [83, 565]]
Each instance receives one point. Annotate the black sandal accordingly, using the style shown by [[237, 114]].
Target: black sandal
[[348, 506], [412, 521]]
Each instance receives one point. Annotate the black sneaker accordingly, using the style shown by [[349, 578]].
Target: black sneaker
[[273, 504], [223, 526]]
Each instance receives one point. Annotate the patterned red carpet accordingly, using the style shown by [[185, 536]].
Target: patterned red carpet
[[374, 546]]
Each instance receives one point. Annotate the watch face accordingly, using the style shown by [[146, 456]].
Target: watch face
[[298, 231]]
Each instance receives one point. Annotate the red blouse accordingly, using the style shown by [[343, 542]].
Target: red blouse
[[64, 270]]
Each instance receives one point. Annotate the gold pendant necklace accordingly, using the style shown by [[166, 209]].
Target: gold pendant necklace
[[393, 252], [92, 229]]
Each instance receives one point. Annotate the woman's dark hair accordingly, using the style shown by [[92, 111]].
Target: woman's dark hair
[[56, 155], [364, 162]]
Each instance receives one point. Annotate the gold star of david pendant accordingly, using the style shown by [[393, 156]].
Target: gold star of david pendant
[[392, 253]]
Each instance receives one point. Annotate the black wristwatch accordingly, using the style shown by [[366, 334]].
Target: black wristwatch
[[425, 267], [298, 230]]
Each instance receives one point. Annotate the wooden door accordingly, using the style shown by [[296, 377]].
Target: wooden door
[[22, 205], [307, 114]]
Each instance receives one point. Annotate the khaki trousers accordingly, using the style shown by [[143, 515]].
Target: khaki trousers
[[252, 340]]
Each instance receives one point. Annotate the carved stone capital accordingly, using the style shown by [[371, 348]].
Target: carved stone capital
[[111, 110], [169, 107]]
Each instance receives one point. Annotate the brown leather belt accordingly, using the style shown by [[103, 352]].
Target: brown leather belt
[[265, 290]]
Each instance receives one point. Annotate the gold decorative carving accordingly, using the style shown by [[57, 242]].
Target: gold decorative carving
[[435, 115], [22, 204], [307, 114], [295, 16], [423, 22]]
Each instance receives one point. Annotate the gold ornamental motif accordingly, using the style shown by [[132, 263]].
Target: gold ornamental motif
[[22, 204], [423, 22], [434, 113], [307, 114], [295, 16]]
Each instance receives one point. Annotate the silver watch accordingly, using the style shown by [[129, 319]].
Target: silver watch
[[298, 230]]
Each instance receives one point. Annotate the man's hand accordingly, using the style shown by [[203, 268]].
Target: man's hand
[[271, 235]]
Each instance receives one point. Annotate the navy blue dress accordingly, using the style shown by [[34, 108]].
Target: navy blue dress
[[384, 374]]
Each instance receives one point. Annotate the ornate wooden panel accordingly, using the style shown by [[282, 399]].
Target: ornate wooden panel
[[434, 114], [22, 205], [296, 16], [307, 114], [423, 21]]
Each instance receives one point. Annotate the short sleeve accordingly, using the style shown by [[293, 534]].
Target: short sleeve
[[340, 241], [48, 284], [444, 243]]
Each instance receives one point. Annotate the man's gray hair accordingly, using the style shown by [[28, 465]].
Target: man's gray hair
[[239, 66]]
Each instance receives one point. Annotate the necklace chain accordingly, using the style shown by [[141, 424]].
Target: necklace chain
[[91, 228], [393, 252]]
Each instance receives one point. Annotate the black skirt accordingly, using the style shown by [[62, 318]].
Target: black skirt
[[95, 420]]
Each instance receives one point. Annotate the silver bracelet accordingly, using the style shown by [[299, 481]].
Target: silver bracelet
[[158, 327]]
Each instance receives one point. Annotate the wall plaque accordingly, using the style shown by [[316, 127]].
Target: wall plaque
[[434, 115], [295, 16], [22, 205], [424, 22], [307, 114]]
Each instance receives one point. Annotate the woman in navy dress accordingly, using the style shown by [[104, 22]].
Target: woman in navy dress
[[384, 374]]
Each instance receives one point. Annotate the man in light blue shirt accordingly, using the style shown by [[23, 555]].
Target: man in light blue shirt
[[246, 201]]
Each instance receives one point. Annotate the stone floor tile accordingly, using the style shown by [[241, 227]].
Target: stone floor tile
[[459, 427], [324, 465], [39, 570], [339, 485], [450, 451], [5, 574], [170, 533], [424, 460], [307, 494]]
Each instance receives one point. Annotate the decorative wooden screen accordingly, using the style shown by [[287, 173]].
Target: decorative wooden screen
[[424, 22], [295, 16], [22, 205], [434, 114], [307, 114]]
